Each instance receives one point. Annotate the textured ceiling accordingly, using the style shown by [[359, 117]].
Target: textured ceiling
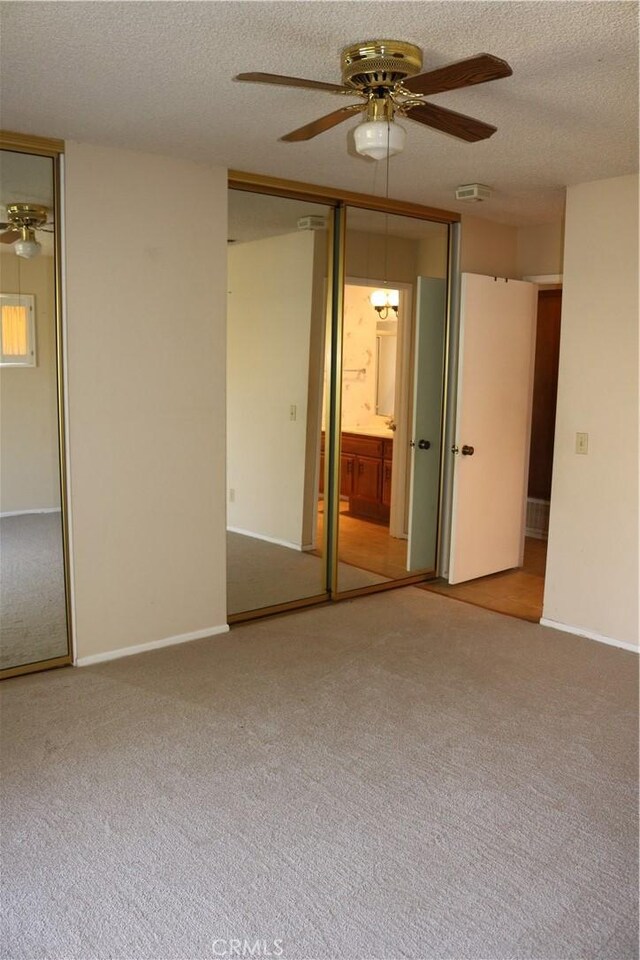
[[158, 77]]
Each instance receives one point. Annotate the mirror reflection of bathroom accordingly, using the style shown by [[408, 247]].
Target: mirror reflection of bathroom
[[33, 627], [277, 269], [392, 384]]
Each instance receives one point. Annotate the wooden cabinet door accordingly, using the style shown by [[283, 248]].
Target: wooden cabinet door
[[386, 482], [321, 482], [368, 479], [347, 463]]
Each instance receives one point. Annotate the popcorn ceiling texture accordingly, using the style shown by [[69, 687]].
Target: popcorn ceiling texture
[[158, 78]]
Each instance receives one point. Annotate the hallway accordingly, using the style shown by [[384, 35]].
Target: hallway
[[517, 592]]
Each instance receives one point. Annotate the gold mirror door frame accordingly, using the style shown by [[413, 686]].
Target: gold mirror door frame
[[396, 285], [16, 143], [340, 201]]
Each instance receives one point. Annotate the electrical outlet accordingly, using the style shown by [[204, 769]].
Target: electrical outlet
[[293, 412], [582, 443], [232, 495]]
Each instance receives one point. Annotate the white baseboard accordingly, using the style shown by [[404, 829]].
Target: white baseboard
[[22, 513], [152, 645], [260, 536], [589, 634]]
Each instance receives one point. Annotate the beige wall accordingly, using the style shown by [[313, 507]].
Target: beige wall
[[271, 287], [592, 567], [29, 461], [541, 249], [488, 248], [146, 295], [367, 253]]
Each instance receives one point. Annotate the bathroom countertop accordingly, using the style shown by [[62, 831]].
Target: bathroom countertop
[[381, 432]]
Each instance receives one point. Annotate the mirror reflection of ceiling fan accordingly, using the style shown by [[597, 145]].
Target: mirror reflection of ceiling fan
[[386, 74], [20, 228]]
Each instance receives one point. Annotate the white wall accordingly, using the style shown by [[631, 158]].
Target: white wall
[[29, 459], [592, 567], [146, 295], [271, 287]]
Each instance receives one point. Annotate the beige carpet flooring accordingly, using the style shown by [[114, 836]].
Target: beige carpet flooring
[[262, 574], [398, 776], [33, 617]]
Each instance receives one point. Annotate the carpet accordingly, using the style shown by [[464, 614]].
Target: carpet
[[397, 776], [262, 574], [34, 620]]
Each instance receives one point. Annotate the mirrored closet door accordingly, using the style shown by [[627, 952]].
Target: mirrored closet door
[[34, 623], [392, 378], [278, 269]]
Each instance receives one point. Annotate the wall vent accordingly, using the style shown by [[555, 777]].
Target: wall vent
[[312, 223], [537, 518], [473, 192]]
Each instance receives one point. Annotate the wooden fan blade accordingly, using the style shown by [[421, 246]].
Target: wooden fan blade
[[292, 82], [323, 123], [9, 236], [464, 73], [448, 121]]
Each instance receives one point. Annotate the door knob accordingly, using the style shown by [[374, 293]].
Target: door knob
[[424, 444], [467, 451]]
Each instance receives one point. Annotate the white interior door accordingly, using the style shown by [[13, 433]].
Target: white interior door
[[431, 314], [493, 425]]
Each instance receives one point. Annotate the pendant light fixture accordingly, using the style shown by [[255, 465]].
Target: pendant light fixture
[[379, 136]]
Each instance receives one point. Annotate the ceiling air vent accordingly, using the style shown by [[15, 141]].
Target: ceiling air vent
[[312, 223], [473, 192]]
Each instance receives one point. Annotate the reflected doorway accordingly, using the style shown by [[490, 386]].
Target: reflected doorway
[[392, 367]]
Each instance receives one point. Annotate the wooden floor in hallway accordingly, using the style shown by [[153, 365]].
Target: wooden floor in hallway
[[516, 592]]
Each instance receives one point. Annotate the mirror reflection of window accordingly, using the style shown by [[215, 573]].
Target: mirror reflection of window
[[33, 627]]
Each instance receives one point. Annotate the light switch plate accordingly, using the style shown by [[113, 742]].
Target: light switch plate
[[582, 443]]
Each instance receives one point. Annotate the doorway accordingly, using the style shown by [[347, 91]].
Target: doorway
[[519, 591]]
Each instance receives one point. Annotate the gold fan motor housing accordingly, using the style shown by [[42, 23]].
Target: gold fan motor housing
[[27, 214], [379, 63]]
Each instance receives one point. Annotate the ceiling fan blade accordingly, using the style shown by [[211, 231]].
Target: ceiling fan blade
[[323, 123], [464, 73], [9, 236], [292, 82], [448, 121]]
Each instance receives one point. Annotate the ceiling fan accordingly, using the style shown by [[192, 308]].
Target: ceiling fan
[[23, 221], [386, 74]]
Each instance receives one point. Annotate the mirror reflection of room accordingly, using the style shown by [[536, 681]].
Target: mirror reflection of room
[[33, 626], [277, 267], [396, 269]]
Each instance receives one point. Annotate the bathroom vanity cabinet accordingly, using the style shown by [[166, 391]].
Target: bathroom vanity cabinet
[[365, 474]]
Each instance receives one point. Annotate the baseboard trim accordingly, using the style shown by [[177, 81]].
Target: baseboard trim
[[152, 645], [260, 536], [589, 634], [22, 513]]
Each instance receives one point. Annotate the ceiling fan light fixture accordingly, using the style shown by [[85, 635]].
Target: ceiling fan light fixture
[[379, 138], [27, 246]]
